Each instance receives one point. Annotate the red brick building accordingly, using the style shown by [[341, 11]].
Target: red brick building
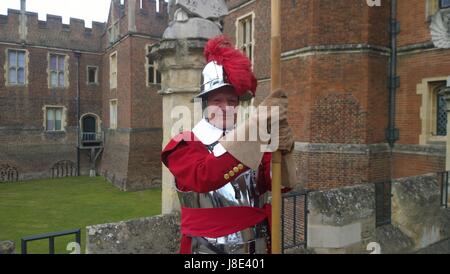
[[64, 87], [336, 58]]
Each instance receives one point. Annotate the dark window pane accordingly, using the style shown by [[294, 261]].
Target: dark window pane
[[50, 119], [61, 79], [61, 63], [21, 76], [54, 79], [244, 32], [12, 58], [12, 75], [92, 75], [250, 29], [158, 77], [53, 62], [58, 125], [151, 75], [21, 59], [441, 116]]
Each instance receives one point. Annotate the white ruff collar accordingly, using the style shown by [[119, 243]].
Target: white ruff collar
[[208, 135]]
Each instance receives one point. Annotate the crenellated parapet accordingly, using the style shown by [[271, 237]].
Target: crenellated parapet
[[52, 32]]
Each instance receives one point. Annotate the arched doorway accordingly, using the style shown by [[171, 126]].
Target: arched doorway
[[89, 127], [92, 138]]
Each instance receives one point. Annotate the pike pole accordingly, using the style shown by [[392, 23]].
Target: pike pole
[[276, 157]]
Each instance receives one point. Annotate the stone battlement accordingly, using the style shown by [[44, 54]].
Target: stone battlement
[[55, 21], [51, 32]]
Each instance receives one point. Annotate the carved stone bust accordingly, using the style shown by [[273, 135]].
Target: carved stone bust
[[207, 9], [195, 18]]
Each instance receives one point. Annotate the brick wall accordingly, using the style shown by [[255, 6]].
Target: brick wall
[[337, 93], [137, 141], [335, 69], [414, 25], [33, 151], [413, 69], [25, 143], [407, 165], [415, 65]]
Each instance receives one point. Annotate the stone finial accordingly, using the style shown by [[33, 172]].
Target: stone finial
[[207, 9], [195, 19]]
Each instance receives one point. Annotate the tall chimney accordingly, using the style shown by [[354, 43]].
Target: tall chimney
[[23, 30], [132, 15], [23, 6]]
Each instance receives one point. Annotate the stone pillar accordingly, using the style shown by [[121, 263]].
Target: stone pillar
[[180, 65], [179, 58], [341, 220]]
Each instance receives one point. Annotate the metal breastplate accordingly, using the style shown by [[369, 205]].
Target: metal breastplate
[[240, 192]]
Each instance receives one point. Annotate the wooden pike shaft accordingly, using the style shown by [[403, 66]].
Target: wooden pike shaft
[[276, 158]]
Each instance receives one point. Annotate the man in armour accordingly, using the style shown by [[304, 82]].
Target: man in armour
[[223, 182]]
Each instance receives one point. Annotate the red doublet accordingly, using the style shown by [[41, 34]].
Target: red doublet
[[196, 169]]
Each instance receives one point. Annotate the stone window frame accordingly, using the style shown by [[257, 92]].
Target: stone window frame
[[238, 27], [65, 70], [63, 118], [113, 126], [96, 82], [428, 89], [147, 69], [112, 70], [6, 67]]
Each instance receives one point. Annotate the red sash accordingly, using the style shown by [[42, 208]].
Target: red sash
[[218, 222]]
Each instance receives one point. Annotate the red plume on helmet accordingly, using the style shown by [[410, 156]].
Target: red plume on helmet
[[237, 66]]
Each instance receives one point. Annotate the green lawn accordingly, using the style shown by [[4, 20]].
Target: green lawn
[[42, 206]]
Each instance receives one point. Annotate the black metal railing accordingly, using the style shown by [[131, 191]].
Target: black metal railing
[[8, 174], [444, 180], [383, 203], [63, 169], [92, 136], [294, 220], [51, 238]]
